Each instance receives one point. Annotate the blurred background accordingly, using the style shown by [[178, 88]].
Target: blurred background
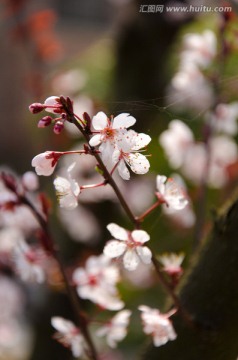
[[107, 56]]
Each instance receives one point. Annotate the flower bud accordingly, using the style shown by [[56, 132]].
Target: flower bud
[[36, 108], [30, 181], [45, 121], [58, 127]]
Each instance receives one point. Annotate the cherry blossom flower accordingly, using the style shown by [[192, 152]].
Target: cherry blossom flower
[[108, 129], [96, 282], [115, 330], [45, 162], [158, 325], [170, 193], [126, 153], [29, 262], [129, 245], [68, 335], [176, 141], [181, 95], [67, 190], [172, 263], [224, 118], [30, 181], [199, 49]]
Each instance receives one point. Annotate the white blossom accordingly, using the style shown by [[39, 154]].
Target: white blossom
[[67, 190], [176, 142], [158, 325], [44, 163], [108, 129], [129, 245], [97, 282], [29, 262], [169, 193], [68, 335], [199, 49], [116, 329], [224, 118], [172, 263], [127, 153]]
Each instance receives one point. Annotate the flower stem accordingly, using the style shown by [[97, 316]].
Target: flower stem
[[185, 315], [148, 211], [74, 299]]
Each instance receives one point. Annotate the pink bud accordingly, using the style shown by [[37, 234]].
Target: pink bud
[[36, 108], [58, 127], [45, 121]]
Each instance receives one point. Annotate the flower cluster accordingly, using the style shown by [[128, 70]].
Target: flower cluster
[[198, 51], [181, 149]]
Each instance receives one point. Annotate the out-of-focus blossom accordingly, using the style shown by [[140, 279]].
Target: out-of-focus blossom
[[223, 152], [30, 181], [170, 193], [194, 170], [129, 245], [11, 299], [176, 141], [127, 153], [172, 263], [116, 329], [29, 262], [16, 340], [158, 325], [96, 282], [20, 218], [9, 237], [45, 163], [68, 335], [183, 217], [199, 49], [143, 278], [224, 118], [81, 224], [69, 82], [67, 190], [181, 95]]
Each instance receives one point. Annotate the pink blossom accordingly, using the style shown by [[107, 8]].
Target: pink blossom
[[129, 245], [158, 325]]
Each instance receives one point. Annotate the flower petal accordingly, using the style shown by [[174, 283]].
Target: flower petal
[[123, 121], [140, 236], [141, 141], [117, 231], [95, 140], [144, 253], [114, 248], [99, 121], [123, 171], [131, 260], [138, 163]]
